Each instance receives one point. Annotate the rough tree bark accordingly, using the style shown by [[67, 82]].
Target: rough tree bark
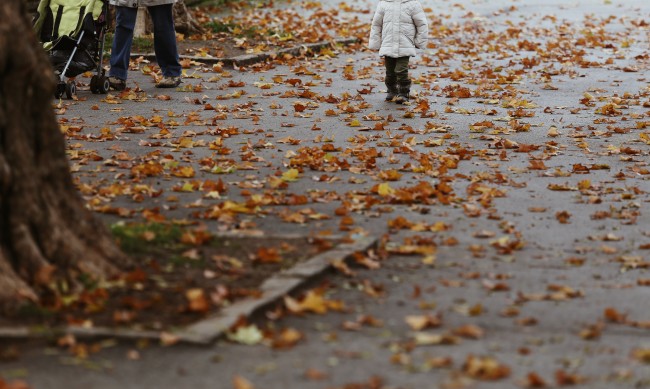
[[184, 21], [46, 233]]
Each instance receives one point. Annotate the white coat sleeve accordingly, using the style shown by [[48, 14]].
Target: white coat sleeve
[[375, 29], [421, 27]]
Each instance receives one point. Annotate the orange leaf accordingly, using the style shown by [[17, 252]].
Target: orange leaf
[[485, 368], [240, 382], [198, 302]]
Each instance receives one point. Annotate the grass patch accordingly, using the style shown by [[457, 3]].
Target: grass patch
[[177, 276], [137, 238], [140, 44], [235, 29]]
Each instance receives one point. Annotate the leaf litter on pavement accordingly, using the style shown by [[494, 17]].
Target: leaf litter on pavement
[[503, 124]]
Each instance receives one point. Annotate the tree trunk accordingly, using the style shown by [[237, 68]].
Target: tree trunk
[[183, 21], [47, 236]]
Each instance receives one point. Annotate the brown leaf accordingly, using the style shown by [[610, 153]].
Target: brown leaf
[[485, 368], [614, 316], [197, 300], [470, 331], [420, 322], [563, 378], [240, 382], [533, 380], [17, 384], [563, 217], [287, 338], [315, 374], [439, 362], [267, 255], [642, 355]]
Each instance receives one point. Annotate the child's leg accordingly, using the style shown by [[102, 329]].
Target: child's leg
[[403, 80], [391, 78], [402, 69]]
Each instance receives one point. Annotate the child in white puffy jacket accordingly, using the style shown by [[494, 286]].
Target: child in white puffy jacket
[[399, 27]]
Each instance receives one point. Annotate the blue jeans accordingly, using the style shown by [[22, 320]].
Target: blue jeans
[[164, 40]]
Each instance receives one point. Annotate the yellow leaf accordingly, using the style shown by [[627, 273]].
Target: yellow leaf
[[290, 175], [355, 123], [384, 189], [312, 302], [248, 335], [645, 137], [186, 143], [184, 172]]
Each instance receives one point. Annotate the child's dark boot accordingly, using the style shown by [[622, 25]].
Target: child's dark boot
[[391, 85], [404, 92]]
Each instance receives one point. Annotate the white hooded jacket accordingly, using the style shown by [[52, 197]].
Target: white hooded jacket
[[399, 27]]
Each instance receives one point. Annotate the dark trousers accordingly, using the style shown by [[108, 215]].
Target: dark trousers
[[164, 40], [397, 70]]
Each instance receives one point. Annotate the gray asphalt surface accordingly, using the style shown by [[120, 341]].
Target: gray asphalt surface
[[467, 283]]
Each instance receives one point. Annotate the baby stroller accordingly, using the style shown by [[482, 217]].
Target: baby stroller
[[73, 32]]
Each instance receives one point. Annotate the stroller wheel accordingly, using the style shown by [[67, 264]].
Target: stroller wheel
[[93, 84], [70, 89], [60, 90], [103, 85]]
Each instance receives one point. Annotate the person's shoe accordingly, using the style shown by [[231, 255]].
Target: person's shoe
[[117, 83], [169, 82]]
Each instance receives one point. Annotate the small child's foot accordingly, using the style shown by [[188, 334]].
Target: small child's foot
[[404, 89], [401, 99]]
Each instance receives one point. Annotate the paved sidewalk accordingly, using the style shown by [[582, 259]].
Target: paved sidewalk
[[529, 232]]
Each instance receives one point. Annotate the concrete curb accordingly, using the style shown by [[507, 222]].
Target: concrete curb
[[207, 330], [250, 59]]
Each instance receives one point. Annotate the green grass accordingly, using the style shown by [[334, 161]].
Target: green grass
[[34, 310], [228, 27], [142, 44], [135, 238]]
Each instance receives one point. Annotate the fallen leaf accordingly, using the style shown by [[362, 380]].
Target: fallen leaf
[[240, 382]]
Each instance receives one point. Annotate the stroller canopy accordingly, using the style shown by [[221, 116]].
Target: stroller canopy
[[63, 18]]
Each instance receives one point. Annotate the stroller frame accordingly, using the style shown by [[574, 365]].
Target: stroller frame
[[99, 83]]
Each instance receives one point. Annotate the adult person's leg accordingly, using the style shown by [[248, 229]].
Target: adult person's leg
[[121, 49], [164, 44]]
